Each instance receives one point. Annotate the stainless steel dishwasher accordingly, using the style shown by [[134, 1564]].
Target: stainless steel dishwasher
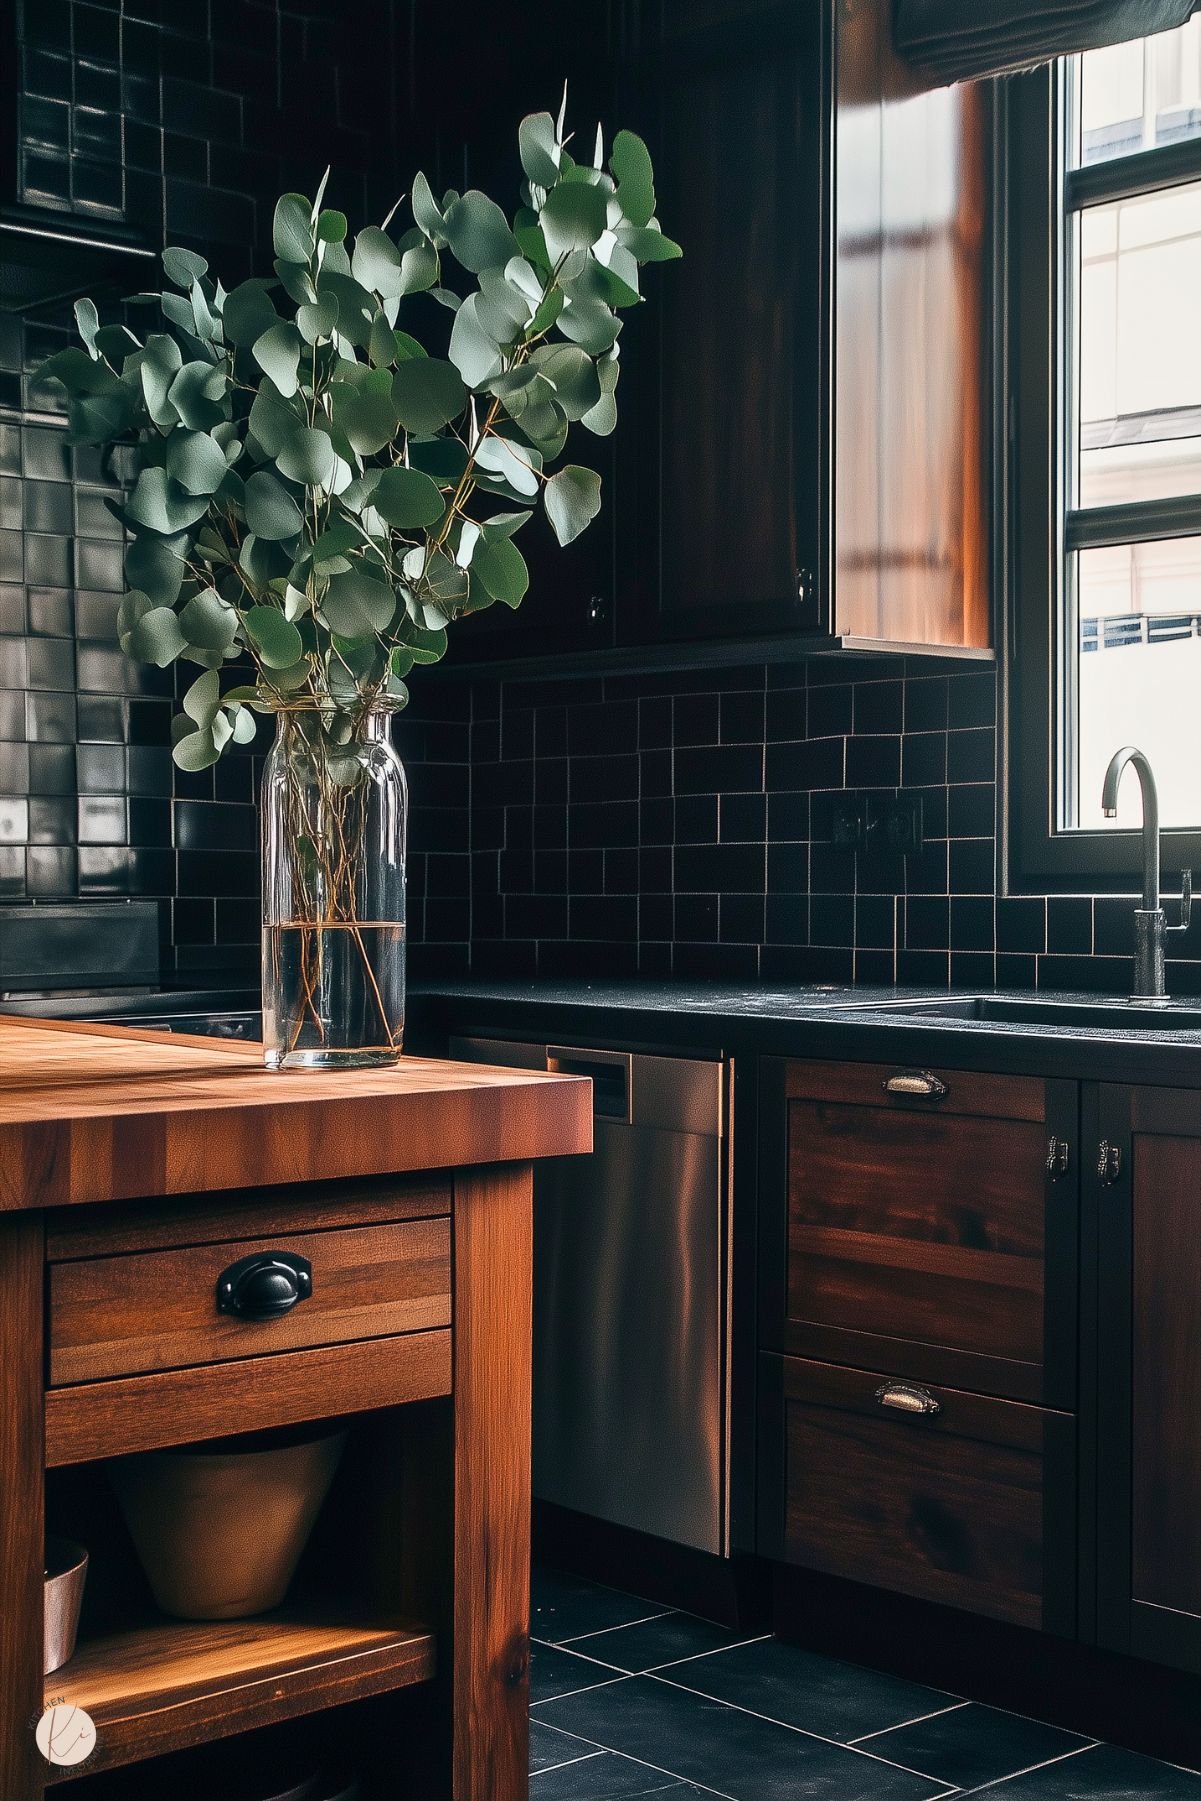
[[631, 1286]]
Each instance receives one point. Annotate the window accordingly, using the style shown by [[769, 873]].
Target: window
[[1105, 368]]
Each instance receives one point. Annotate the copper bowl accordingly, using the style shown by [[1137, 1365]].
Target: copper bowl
[[66, 1572]]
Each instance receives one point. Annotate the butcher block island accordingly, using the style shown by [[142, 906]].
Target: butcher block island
[[139, 1178]]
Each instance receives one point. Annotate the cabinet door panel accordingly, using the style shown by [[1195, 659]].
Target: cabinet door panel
[[1149, 1377]]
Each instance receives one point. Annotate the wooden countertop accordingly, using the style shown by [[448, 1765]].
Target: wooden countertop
[[102, 1113]]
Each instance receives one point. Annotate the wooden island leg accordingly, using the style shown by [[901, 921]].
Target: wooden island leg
[[22, 1480], [493, 1320]]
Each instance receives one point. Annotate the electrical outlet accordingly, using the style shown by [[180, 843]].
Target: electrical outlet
[[902, 821], [848, 823]]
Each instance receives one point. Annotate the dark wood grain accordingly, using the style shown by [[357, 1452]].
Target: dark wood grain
[[141, 1413], [118, 1316], [21, 1505], [921, 1230], [173, 1684], [948, 1508], [909, 194], [1166, 1398], [493, 1304], [242, 1213], [93, 1114]]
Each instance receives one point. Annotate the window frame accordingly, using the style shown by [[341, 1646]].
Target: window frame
[[1034, 311]]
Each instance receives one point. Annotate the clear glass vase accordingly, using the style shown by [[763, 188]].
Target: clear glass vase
[[335, 811]]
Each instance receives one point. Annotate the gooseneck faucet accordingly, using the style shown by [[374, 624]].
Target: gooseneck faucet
[[1151, 926]]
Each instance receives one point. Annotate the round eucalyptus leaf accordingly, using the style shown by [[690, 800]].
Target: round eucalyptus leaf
[[292, 230], [503, 525], [196, 461], [572, 218], [366, 415], [271, 512], [152, 565], [248, 313], [426, 210], [590, 324], [208, 621], [198, 394], [317, 318], [356, 604], [513, 463], [195, 750], [473, 350], [375, 263], [87, 319], [647, 244], [406, 499], [443, 459], [244, 723], [262, 560], [202, 698], [331, 226], [155, 638], [277, 354], [418, 269], [307, 456], [478, 233], [275, 639], [500, 569], [272, 421], [161, 505], [161, 363], [572, 501], [183, 267], [572, 374], [539, 149], [427, 393], [501, 307], [631, 165]]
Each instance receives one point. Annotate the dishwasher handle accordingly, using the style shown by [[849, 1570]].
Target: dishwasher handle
[[610, 1073]]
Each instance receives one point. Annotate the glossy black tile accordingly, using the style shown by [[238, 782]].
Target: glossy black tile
[[1102, 1773], [610, 1777], [563, 1607], [666, 1639], [556, 1671]]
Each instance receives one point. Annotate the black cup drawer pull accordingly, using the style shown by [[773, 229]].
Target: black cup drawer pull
[[917, 1085], [264, 1286]]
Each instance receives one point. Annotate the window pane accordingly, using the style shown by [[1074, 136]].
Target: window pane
[[1135, 96], [1138, 671], [1139, 348]]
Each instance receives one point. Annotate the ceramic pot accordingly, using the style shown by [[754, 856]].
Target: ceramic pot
[[66, 1571], [220, 1527]]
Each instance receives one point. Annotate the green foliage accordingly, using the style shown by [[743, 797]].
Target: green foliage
[[315, 488]]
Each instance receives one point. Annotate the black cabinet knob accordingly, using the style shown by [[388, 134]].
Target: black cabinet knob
[[264, 1286]]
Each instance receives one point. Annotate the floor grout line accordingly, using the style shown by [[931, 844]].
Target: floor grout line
[[644, 1620], [567, 1763], [696, 1656], [935, 1714], [1046, 1764], [618, 1676], [837, 1744], [641, 1762]]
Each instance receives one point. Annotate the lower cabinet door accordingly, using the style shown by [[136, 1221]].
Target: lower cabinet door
[[931, 1492]]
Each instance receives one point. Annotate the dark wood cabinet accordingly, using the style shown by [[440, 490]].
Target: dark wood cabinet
[[1145, 1208], [918, 1280], [928, 1491]]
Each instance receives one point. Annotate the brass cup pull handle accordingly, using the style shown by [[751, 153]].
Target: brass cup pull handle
[[264, 1286], [907, 1397], [917, 1085]]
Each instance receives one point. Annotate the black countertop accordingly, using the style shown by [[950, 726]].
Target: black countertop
[[838, 1022]]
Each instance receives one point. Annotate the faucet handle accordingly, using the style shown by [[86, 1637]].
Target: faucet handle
[[1186, 902]]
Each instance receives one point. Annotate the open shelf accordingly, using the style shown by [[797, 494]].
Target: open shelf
[[173, 1683]]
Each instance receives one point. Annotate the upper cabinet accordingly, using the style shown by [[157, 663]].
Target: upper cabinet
[[800, 452]]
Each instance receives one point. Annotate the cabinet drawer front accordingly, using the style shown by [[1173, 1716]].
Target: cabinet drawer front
[[920, 1089], [920, 1238], [157, 1310], [969, 1506]]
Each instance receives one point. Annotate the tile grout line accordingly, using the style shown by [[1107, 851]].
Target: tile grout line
[[568, 1763], [695, 1656], [620, 1676], [801, 1731], [936, 1713], [644, 1620], [1047, 1763], [641, 1761]]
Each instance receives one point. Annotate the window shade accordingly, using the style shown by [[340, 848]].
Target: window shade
[[959, 40]]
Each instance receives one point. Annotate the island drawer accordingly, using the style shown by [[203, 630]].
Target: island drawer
[[171, 1308], [950, 1497]]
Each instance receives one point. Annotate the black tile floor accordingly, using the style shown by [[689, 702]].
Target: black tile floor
[[629, 1699]]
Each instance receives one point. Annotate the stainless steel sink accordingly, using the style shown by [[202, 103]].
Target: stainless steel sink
[[1101, 1012]]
